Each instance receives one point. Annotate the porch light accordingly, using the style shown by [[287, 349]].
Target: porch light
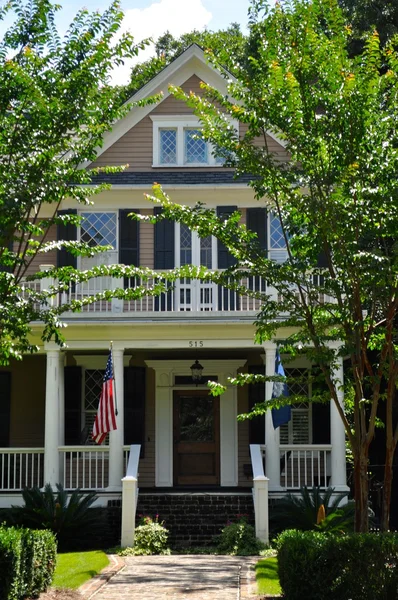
[[196, 370]]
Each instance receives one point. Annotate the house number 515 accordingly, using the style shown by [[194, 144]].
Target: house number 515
[[195, 344]]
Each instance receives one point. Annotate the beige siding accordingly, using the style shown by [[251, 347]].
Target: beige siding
[[272, 144], [146, 241], [135, 148], [28, 390], [48, 258]]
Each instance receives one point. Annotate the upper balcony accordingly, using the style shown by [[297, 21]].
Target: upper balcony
[[185, 299]]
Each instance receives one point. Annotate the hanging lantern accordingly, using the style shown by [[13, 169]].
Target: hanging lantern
[[196, 370]]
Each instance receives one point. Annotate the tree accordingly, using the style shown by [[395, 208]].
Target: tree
[[365, 15], [336, 199], [56, 102], [167, 47]]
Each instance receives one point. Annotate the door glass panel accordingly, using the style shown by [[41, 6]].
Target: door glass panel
[[185, 245], [196, 419], [98, 229]]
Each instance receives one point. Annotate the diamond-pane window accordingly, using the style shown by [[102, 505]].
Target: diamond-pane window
[[205, 252], [98, 229], [93, 379], [168, 146], [277, 239], [298, 430], [185, 245], [195, 147]]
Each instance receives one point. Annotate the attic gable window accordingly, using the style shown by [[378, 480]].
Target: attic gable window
[[177, 143]]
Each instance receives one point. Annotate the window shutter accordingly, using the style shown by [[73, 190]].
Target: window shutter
[[73, 405], [164, 243], [322, 261], [134, 407], [256, 395], [256, 221], [67, 233], [128, 241], [224, 258], [227, 299], [5, 408], [320, 413], [128, 238]]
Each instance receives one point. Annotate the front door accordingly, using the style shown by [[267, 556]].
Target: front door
[[196, 438]]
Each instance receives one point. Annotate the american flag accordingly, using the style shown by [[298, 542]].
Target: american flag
[[105, 420]]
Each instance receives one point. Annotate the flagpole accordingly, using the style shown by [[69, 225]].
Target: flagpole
[[114, 379]]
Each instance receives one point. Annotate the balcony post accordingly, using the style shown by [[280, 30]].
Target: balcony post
[[337, 435], [116, 438], [46, 283], [272, 452], [51, 423]]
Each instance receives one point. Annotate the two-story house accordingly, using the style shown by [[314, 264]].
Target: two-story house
[[191, 443]]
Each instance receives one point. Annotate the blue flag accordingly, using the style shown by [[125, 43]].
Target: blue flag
[[282, 415]]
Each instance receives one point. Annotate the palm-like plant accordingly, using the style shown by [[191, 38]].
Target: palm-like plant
[[302, 511], [69, 517]]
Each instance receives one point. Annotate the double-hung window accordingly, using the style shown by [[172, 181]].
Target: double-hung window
[[177, 142]]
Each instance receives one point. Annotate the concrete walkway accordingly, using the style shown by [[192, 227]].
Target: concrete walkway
[[189, 577]]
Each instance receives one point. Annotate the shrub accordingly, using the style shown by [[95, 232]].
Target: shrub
[[150, 537], [239, 539], [69, 517], [302, 511], [316, 566], [27, 562]]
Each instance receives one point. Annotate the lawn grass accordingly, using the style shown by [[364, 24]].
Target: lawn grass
[[74, 568], [267, 576]]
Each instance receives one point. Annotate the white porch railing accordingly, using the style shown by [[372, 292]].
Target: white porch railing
[[130, 497], [305, 465], [260, 494], [84, 467], [21, 467]]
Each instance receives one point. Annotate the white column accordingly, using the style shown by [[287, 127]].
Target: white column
[[164, 428], [228, 435], [51, 423], [116, 438], [272, 452], [337, 436], [61, 399]]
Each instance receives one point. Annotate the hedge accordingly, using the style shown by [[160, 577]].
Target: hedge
[[317, 566], [27, 562]]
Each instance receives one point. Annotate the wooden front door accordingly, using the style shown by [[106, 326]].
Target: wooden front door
[[196, 438]]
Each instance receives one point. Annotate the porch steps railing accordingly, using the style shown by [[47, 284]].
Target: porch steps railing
[[260, 494], [130, 496]]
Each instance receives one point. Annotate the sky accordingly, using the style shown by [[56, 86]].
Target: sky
[[152, 18]]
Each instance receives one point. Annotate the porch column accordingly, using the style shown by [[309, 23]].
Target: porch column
[[51, 423], [61, 399], [337, 435], [116, 438], [272, 452]]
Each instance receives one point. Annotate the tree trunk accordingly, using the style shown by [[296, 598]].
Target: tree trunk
[[387, 488], [361, 490]]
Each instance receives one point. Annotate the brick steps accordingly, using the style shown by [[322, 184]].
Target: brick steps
[[193, 519]]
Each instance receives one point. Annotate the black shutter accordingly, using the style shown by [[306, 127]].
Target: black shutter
[[227, 299], [322, 260], [256, 221], [164, 243], [320, 413], [5, 408], [256, 395], [128, 241], [73, 405], [134, 407], [68, 233], [224, 258], [164, 255]]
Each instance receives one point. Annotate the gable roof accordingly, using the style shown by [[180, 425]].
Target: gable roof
[[190, 62]]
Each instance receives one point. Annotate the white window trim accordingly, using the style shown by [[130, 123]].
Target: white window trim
[[180, 122]]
